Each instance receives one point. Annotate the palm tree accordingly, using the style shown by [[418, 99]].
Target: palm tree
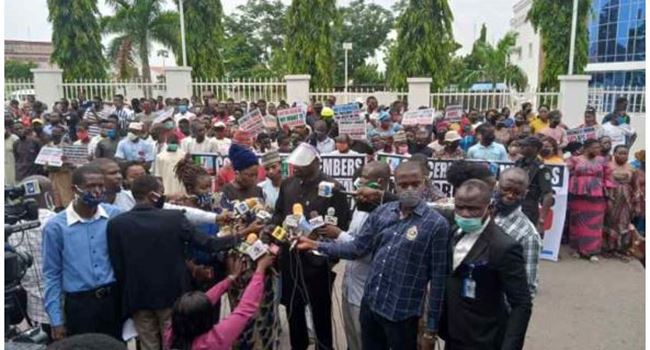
[[137, 24], [491, 64]]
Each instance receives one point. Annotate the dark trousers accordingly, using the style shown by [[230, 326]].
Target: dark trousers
[[93, 312], [319, 290], [378, 333]]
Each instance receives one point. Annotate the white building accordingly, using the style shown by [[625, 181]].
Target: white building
[[527, 53]]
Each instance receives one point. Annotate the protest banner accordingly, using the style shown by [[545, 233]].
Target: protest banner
[[418, 117], [356, 129], [581, 134], [76, 155], [252, 122], [349, 111], [94, 130], [162, 115], [291, 117], [453, 114], [50, 156]]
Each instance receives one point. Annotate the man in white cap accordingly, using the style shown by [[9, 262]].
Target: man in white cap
[[223, 143], [451, 149], [132, 148], [305, 276], [271, 186]]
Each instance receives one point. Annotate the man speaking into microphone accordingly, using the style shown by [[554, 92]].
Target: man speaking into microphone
[[307, 279]]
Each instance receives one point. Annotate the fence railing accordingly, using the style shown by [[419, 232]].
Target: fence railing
[[242, 89], [604, 99], [359, 93], [483, 100], [106, 89], [18, 89]]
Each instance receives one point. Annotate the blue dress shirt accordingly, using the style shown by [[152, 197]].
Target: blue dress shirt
[[408, 253], [75, 256]]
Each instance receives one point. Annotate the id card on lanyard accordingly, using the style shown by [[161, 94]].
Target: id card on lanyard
[[469, 285]]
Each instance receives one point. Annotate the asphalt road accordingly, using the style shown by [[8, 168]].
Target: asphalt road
[[580, 305]]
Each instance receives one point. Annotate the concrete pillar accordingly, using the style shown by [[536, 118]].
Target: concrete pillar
[[48, 86], [419, 92], [179, 82], [574, 94], [297, 88]]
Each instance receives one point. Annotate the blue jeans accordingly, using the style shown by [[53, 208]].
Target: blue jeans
[[379, 333]]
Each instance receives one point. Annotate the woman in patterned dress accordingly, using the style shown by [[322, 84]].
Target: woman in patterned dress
[[620, 205], [589, 179]]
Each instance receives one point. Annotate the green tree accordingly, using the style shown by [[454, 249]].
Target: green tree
[[368, 74], [18, 69], [487, 63], [76, 38], [309, 43], [204, 37], [261, 25], [137, 24], [425, 43], [552, 19], [366, 26]]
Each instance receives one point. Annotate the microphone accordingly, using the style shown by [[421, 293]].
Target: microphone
[[316, 220], [263, 216], [327, 189], [330, 218]]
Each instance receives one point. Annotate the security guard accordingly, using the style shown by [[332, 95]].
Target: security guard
[[539, 191]]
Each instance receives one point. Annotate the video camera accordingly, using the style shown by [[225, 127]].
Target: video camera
[[20, 214]]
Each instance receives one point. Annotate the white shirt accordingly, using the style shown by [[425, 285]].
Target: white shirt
[[356, 271], [326, 146], [10, 161], [466, 243], [337, 153], [209, 145], [193, 215], [164, 168], [618, 133], [270, 192], [223, 145]]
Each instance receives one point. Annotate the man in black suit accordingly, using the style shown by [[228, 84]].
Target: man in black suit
[[147, 250], [487, 264]]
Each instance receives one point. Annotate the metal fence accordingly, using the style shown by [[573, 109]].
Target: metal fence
[[242, 89], [604, 99], [106, 89], [18, 89], [359, 93], [484, 100]]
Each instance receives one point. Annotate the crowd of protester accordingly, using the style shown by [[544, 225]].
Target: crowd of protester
[[143, 231]]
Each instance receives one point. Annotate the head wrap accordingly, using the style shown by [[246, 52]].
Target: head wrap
[[241, 158]]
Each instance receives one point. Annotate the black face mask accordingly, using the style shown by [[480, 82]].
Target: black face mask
[[506, 209], [366, 207], [160, 202]]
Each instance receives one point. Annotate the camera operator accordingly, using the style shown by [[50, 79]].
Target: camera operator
[[29, 242]]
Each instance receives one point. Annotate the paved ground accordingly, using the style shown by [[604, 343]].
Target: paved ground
[[580, 305]]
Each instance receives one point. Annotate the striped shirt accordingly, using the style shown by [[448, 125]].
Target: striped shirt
[[518, 226], [125, 116]]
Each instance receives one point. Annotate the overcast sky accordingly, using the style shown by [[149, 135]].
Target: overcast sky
[[32, 24]]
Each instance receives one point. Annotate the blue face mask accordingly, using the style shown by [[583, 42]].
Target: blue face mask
[[621, 120], [204, 199], [90, 199], [182, 108], [112, 134], [468, 225]]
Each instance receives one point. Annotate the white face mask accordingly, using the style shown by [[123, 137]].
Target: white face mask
[[132, 136]]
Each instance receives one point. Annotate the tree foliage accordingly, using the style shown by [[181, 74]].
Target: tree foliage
[[18, 69], [310, 42], [425, 43], [204, 37], [368, 74], [366, 26], [260, 25], [488, 63], [137, 23], [552, 19], [76, 38]]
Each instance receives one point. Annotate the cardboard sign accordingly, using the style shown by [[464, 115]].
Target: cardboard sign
[[291, 117], [162, 115], [356, 129], [349, 111], [418, 117], [581, 134], [76, 154], [252, 122], [453, 114], [50, 156]]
